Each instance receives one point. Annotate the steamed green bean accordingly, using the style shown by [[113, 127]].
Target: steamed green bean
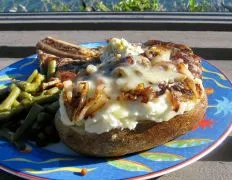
[[26, 104], [31, 117], [53, 107], [4, 93], [52, 91], [43, 117], [51, 68], [8, 102], [6, 115], [31, 87], [26, 95], [15, 103], [32, 76], [6, 133], [44, 99]]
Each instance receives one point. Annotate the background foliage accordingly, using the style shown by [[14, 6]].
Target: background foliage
[[114, 5]]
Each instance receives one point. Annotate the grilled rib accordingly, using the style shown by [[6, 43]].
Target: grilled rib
[[67, 50]]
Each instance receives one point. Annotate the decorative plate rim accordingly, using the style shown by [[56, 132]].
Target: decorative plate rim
[[149, 175]]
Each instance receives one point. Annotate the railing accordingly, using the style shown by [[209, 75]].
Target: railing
[[120, 21], [171, 21]]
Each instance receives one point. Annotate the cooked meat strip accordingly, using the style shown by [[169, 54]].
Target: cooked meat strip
[[68, 50], [180, 54], [181, 47]]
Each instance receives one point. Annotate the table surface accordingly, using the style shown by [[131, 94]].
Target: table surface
[[216, 165]]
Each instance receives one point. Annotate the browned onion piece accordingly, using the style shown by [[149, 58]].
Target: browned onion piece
[[199, 89], [184, 70], [92, 105], [190, 84], [145, 94], [84, 89], [173, 101], [68, 87], [97, 104]]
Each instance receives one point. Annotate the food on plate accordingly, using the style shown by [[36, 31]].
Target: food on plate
[[116, 100], [27, 110], [134, 97], [68, 58]]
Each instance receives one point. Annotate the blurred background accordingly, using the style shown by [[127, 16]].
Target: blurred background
[[115, 5]]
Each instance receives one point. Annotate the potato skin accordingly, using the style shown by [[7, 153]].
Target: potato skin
[[118, 142]]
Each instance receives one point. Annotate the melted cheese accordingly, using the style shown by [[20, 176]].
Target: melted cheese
[[134, 75], [127, 114], [128, 77], [162, 55]]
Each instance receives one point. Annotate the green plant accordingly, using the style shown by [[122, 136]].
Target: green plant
[[60, 6], [137, 5], [155, 5], [100, 6], [193, 6]]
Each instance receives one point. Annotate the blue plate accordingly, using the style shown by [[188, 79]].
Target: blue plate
[[59, 162]]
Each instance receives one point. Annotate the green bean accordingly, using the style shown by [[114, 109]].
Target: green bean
[[32, 76], [13, 85], [35, 128], [9, 136], [31, 117], [43, 118], [53, 107], [6, 133], [52, 91], [20, 145], [39, 78], [4, 93], [31, 87], [15, 103], [44, 99], [5, 116], [41, 140], [8, 102], [49, 130], [25, 105], [7, 124], [26, 95], [28, 87], [43, 67], [26, 102], [52, 133], [51, 69]]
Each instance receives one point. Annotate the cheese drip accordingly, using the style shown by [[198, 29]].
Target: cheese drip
[[124, 77]]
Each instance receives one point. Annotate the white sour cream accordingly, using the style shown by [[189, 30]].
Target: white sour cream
[[119, 48]]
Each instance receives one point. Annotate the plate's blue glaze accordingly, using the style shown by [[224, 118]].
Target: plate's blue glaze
[[58, 162]]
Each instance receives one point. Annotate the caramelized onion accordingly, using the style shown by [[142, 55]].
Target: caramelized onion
[[145, 94], [92, 105], [97, 104], [188, 83], [173, 99], [184, 70], [68, 87]]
